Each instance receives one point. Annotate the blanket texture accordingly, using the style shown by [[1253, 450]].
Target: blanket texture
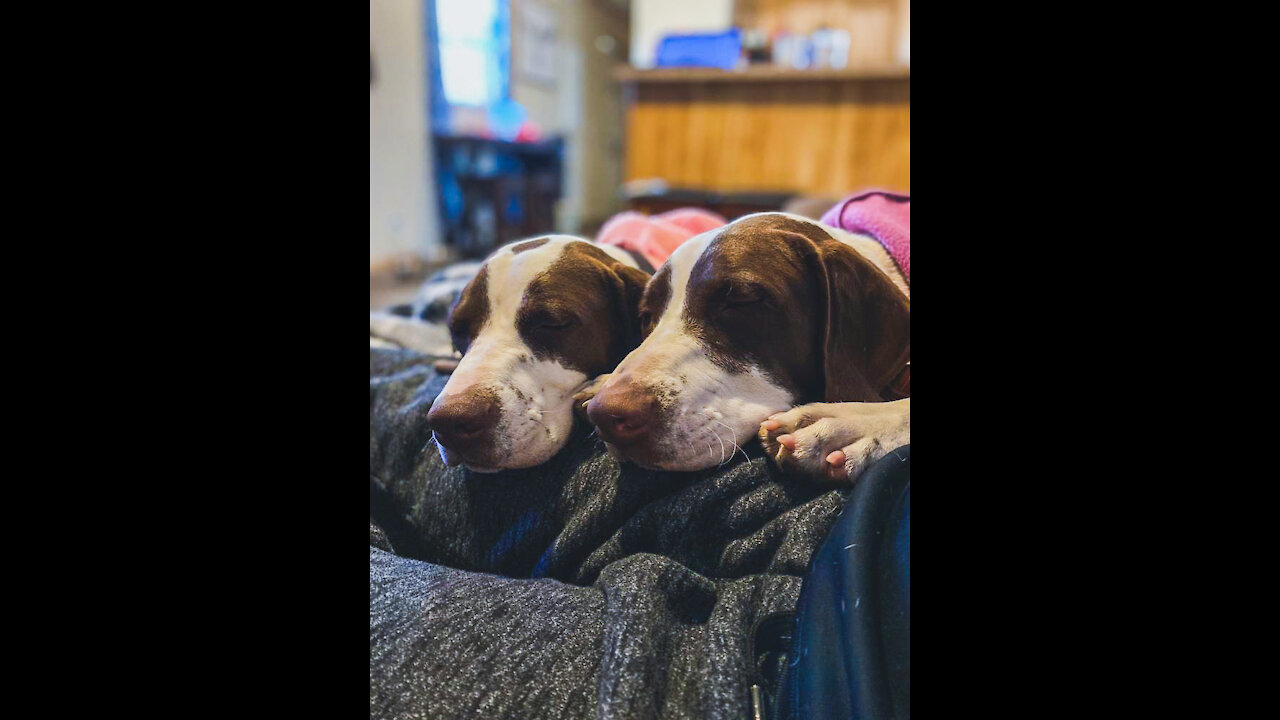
[[882, 215], [577, 589]]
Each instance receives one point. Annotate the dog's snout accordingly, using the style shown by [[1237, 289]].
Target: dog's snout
[[462, 421], [622, 411]]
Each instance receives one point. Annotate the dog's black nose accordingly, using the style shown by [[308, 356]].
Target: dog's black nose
[[462, 421], [622, 411]]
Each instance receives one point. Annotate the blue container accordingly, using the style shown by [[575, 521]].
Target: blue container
[[720, 50]]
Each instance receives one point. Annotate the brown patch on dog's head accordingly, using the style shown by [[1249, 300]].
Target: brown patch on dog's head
[[808, 310], [528, 245], [582, 310]]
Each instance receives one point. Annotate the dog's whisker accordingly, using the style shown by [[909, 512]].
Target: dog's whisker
[[725, 460], [731, 441], [428, 445], [591, 435], [713, 432]]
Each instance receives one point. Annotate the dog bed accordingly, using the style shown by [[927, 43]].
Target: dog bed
[[579, 588]]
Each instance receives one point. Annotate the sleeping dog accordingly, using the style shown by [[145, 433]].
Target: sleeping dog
[[540, 320], [745, 322]]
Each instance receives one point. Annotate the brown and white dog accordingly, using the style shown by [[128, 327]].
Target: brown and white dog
[[538, 322], [746, 322]]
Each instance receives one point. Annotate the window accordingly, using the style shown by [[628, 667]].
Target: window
[[474, 46]]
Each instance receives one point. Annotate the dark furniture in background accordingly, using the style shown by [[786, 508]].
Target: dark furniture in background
[[493, 191], [730, 205]]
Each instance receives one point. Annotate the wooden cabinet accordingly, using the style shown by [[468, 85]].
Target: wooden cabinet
[[764, 129]]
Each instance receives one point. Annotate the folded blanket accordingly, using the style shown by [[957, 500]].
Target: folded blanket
[[656, 237], [884, 216], [580, 588]]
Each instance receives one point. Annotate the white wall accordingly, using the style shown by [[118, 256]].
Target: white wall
[[651, 19], [584, 105], [904, 32], [403, 217], [556, 108]]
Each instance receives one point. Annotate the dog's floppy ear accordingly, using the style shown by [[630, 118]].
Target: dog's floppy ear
[[623, 283], [867, 340], [631, 284]]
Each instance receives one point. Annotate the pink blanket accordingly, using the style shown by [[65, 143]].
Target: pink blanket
[[882, 215], [656, 237]]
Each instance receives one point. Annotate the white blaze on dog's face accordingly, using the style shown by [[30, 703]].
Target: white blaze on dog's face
[[541, 318], [742, 322]]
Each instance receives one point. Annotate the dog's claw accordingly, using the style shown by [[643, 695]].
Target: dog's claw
[[588, 390]]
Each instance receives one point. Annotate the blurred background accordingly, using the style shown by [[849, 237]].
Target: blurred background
[[492, 120]]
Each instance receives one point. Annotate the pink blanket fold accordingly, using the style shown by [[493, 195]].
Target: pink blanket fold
[[882, 215], [656, 237]]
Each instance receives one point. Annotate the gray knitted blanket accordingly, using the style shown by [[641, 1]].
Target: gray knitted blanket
[[576, 589]]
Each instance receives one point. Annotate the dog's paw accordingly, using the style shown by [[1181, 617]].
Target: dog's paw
[[584, 394], [836, 441]]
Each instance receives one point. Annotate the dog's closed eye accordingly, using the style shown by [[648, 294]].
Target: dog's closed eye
[[739, 295], [552, 322]]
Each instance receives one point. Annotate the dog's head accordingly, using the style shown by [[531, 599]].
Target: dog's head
[[538, 320], [744, 321]]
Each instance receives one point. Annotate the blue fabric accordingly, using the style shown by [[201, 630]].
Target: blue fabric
[[851, 651]]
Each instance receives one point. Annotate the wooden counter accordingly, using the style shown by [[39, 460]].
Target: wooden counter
[[818, 132]]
